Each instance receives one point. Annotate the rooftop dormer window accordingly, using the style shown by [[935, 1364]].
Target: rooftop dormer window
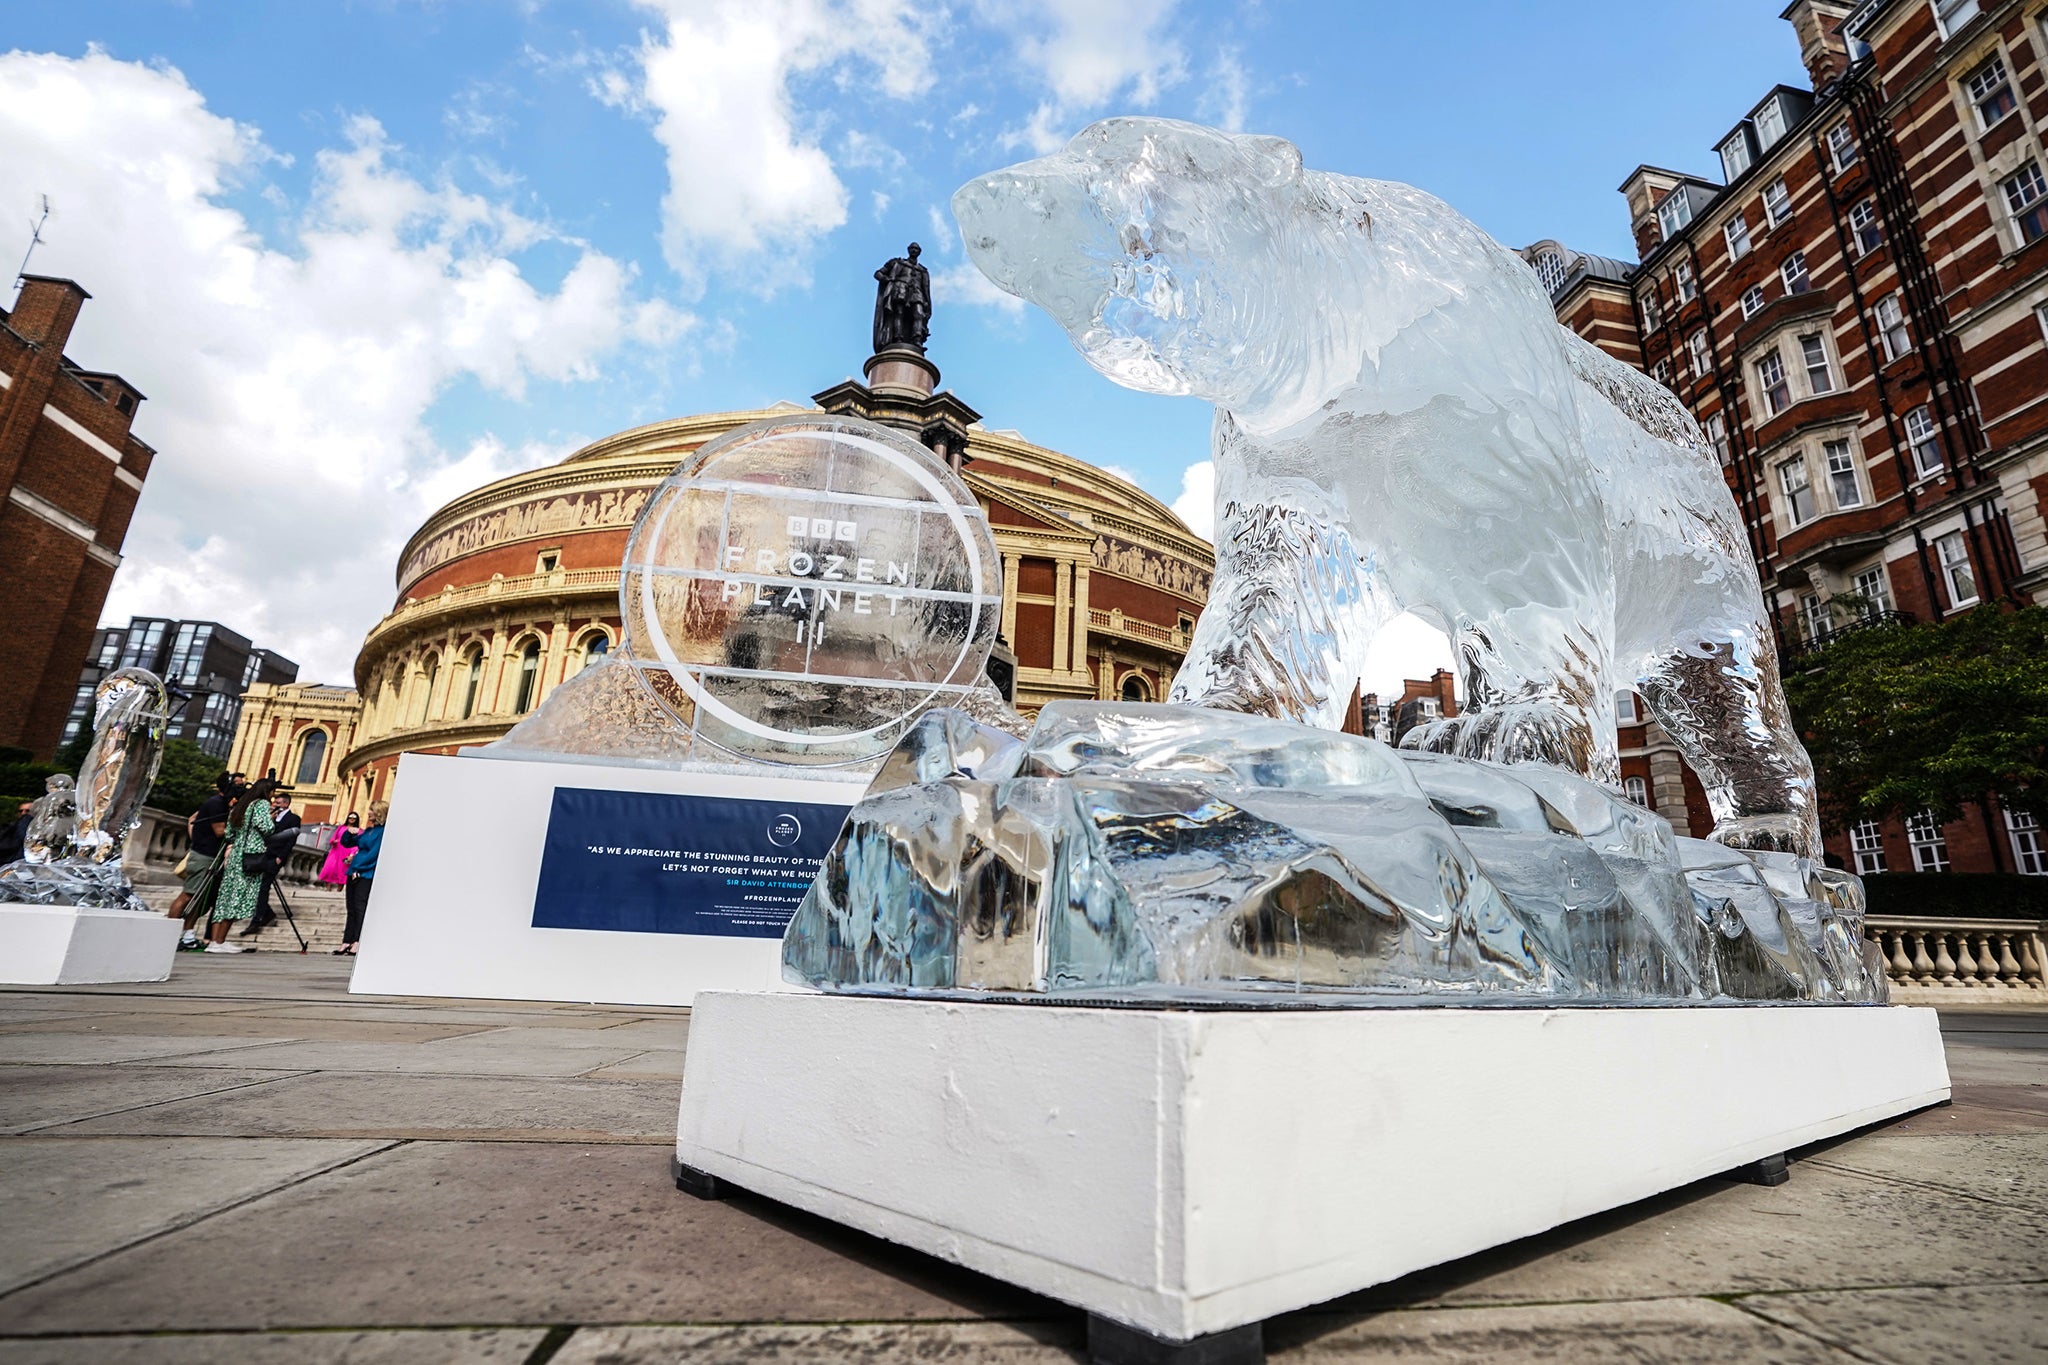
[[1770, 123], [1550, 270], [1735, 155], [1675, 212]]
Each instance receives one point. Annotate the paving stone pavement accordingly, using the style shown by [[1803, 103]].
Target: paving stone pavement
[[246, 1163]]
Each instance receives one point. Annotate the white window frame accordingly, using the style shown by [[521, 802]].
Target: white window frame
[[2035, 187], [1813, 615], [1702, 353], [2023, 831], [1716, 428], [1733, 166], [1674, 211], [1661, 371], [1930, 845], [1550, 270], [1866, 847], [2041, 309], [1795, 486], [1866, 229], [1951, 15], [1736, 233], [1892, 333], [1772, 379], [1984, 84], [1874, 587], [1636, 790], [1923, 440], [1953, 553], [1842, 138], [1651, 316], [1796, 281], [1753, 301], [1777, 202], [1840, 459], [1683, 281], [1773, 113], [1625, 712], [1820, 372]]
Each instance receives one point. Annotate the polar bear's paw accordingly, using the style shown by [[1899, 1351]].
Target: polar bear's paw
[[1516, 732], [1775, 833]]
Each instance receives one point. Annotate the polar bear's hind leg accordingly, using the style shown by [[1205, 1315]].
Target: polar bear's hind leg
[[1722, 703]]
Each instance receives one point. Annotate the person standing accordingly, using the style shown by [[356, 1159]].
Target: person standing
[[334, 870], [14, 836], [284, 837], [204, 832], [243, 857], [361, 869]]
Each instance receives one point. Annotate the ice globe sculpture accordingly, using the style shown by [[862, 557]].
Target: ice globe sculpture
[[796, 594]]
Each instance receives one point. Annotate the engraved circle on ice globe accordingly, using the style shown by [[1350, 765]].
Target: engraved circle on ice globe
[[785, 830], [802, 588]]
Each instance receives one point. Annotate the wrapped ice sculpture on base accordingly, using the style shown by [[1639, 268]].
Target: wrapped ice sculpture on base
[[67, 912]]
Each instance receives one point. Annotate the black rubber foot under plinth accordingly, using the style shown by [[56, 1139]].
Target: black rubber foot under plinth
[[1771, 1170], [1112, 1343], [703, 1184]]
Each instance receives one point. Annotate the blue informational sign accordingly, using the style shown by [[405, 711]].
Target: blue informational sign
[[658, 863]]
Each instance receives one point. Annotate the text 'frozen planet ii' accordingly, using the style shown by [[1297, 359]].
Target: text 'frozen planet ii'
[[1401, 424]]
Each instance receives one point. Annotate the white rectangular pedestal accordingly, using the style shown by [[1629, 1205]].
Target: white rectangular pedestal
[[453, 905], [1185, 1172], [69, 945]]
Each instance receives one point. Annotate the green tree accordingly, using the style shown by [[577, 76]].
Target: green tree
[[1904, 718], [186, 777]]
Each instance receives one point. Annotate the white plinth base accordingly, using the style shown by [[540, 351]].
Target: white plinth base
[[1188, 1172], [68, 945]]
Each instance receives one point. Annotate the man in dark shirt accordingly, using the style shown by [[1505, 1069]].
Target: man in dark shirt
[[207, 829]]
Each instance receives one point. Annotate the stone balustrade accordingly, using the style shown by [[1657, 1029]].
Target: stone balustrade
[[1997, 954], [155, 845]]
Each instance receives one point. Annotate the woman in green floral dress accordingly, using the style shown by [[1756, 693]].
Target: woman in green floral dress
[[248, 827]]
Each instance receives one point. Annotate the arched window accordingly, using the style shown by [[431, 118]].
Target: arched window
[[312, 756], [1550, 268], [595, 646], [529, 677], [1135, 689], [476, 678], [1637, 790]]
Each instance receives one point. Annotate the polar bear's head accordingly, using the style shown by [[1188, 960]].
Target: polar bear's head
[[1160, 247]]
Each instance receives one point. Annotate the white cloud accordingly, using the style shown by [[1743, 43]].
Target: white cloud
[[1406, 647], [744, 175], [1196, 503], [964, 284], [1087, 53], [944, 238], [288, 383], [1228, 93]]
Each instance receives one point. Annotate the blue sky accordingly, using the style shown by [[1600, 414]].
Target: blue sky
[[365, 256]]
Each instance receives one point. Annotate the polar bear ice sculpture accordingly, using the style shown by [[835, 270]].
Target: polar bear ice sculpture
[[1401, 423]]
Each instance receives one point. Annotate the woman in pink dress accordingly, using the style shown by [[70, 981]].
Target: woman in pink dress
[[334, 871]]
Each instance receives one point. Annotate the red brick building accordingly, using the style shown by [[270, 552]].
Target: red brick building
[[69, 476], [1855, 309]]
